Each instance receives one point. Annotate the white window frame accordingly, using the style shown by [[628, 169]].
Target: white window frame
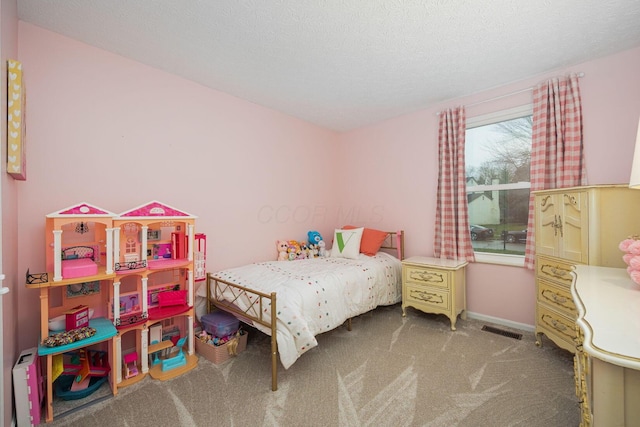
[[483, 120]]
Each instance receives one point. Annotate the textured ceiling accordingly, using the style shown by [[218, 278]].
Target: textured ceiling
[[343, 64]]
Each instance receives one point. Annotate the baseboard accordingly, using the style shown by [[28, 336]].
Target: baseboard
[[499, 321]]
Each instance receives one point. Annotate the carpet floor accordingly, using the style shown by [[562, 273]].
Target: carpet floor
[[388, 371]]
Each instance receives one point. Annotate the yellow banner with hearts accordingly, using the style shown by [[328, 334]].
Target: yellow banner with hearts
[[16, 158]]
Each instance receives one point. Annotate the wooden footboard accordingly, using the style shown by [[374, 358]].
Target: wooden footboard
[[254, 314]]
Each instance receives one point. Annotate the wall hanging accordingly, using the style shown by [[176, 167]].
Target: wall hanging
[[16, 157]]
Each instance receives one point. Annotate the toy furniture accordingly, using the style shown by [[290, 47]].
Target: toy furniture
[[79, 261], [301, 285], [156, 348], [200, 255], [177, 360], [130, 365], [83, 374], [84, 364], [93, 259], [28, 388]]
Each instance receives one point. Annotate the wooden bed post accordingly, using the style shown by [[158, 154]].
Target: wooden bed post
[[274, 344]]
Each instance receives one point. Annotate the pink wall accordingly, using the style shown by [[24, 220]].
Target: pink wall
[[9, 262], [115, 133], [407, 145]]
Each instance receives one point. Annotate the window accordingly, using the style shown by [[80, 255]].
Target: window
[[497, 161], [131, 246]]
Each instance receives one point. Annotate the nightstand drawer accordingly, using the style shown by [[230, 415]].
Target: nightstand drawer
[[556, 296], [423, 296], [554, 270], [424, 276]]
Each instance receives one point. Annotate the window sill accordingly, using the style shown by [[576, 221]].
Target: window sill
[[500, 259]]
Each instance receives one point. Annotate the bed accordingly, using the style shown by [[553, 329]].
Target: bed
[[79, 261], [293, 301]]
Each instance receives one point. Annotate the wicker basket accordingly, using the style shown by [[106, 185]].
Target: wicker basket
[[221, 353]]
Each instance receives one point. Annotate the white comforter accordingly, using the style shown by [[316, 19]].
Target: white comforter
[[317, 295]]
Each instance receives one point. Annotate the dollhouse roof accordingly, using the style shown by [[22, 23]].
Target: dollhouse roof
[[83, 210], [155, 209]]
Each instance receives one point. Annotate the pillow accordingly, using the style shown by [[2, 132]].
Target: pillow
[[371, 241], [346, 243]]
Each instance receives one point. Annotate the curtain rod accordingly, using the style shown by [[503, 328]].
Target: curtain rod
[[495, 98]]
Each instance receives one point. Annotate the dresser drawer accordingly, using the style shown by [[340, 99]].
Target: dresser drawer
[[557, 324], [426, 276], [556, 296], [554, 270], [431, 297]]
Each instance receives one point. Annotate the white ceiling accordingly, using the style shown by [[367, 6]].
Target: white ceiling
[[343, 64]]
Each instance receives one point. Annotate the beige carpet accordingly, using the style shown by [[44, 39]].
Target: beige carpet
[[388, 371]]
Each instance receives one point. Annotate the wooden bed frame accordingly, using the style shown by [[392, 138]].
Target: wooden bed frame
[[255, 314]]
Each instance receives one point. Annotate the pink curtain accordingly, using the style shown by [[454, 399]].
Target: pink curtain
[[557, 157], [452, 237]]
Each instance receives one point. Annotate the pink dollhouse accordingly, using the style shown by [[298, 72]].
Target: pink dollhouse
[[153, 236], [153, 252], [135, 271], [79, 242]]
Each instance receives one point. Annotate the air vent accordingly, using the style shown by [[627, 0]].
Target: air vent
[[502, 332]]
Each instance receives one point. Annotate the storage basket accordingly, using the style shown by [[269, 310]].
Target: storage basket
[[221, 353]]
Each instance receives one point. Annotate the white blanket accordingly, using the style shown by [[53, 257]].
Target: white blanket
[[317, 295]]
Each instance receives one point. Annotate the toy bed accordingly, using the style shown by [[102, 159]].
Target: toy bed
[[293, 301], [79, 261]]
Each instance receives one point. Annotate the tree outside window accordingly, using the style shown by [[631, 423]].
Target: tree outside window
[[498, 159]]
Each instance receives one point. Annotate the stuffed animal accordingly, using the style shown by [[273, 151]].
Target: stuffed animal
[[322, 252], [293, 249], [314, 237], [313, 251], [631, 246], [304, 251], [282, 246]]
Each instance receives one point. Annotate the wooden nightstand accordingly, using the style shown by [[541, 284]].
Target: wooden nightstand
[[435, 285]]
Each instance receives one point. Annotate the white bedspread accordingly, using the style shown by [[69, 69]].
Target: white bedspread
[[317, 295]]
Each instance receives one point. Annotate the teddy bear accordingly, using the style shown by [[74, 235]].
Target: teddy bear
[[314, 237], [282, 246]]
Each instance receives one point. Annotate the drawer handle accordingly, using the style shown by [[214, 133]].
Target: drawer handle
[[558, 299], [427, 297], [555, 324], [556, 271], [426, 276]]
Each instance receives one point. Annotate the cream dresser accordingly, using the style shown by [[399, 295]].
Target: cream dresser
[[607, 359], [434, 285], [579, 225]]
